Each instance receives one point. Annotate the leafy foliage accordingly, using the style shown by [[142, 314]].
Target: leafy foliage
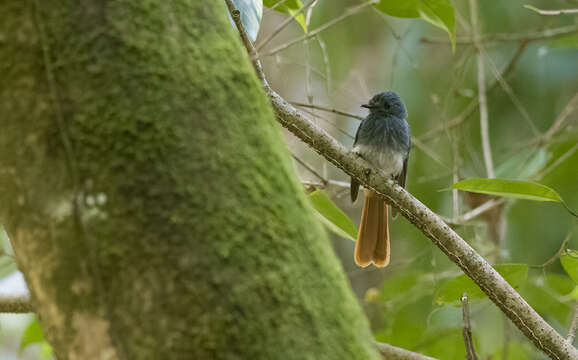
[[439, 13], [290, 7], [34, 335], [509, 188]]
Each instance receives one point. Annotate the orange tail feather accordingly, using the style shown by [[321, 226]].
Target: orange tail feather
[[372, 244]]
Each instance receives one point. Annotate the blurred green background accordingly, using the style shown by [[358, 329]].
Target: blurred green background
[[371, 51]]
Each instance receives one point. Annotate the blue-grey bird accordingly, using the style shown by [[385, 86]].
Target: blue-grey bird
[[382, 139]]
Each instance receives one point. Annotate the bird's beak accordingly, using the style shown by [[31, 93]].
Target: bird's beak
[[367, 106]]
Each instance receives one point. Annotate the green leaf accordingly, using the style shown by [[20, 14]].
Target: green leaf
[[533, 8], [290, 7], [509, 188], [452, 290], [288, 4], [439, 13], [561, 285], [569, 262], [32, 334], [332, 216]]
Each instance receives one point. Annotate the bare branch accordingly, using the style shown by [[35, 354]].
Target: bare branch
[[552, 12], [389, 352], [347, 13], [473, 105], [510, 37], [558, 161], [467, 330], [323, 108], [568, 109], [311, 169], [573, 326], [283, 25], [558, 253], [16, 304], [474, 213], [484, 126]]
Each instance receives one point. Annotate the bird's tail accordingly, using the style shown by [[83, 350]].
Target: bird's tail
[[372, 244]]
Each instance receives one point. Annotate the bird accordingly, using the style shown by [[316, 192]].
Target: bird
[[383, 139]]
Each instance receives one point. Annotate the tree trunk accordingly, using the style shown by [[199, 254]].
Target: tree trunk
[[148, 194]]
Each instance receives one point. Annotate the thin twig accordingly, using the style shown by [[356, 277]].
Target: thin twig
[[389, 352], [510, 37], [429, 152], [474, 213], [323, 108], [281, 2], [568, 109], [347, 13], [558, 253], [473, 105], [336, 183], [467, 330], [573, 326], [283, 25], [317, 116], [552, 12], [308, 80], [484, 126], [508, 90], [311, 169], [558, 161], [16, 304]]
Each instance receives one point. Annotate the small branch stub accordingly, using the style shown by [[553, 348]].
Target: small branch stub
[[467, 330]]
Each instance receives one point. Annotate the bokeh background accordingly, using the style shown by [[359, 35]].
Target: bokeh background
[[369, 52]]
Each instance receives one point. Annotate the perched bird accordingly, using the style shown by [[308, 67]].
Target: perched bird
[[382, 139]]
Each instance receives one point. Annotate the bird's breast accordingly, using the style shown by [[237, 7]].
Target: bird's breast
[[386, 158]]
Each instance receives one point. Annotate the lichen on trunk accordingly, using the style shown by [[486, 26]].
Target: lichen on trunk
[[148, 194]]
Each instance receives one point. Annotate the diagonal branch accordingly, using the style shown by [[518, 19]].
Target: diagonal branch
[[389, 352]]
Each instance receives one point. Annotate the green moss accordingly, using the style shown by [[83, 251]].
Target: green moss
[[205, 246]]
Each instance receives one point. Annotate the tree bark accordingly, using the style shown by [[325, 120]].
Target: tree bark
[[147, 192]]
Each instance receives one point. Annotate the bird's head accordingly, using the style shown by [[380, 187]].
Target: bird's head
[[387, 103]]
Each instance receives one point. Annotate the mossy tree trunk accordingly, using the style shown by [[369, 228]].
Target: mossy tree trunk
[[148, 195]]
